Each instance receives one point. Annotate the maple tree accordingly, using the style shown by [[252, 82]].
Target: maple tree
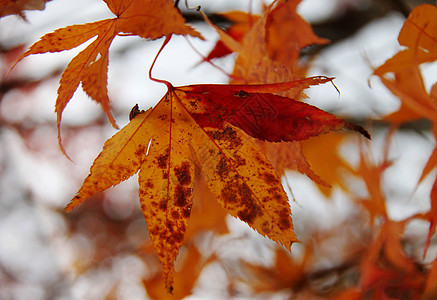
[[208, 150]]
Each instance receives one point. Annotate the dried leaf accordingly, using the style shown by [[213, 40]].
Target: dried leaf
[[185, 277], [16, 7], [169, 142], [241, 23], [285, 274], [287, 33], [372, 173], [290, 156], [419, 35], [145, 18], [323, 153], [263, 116]]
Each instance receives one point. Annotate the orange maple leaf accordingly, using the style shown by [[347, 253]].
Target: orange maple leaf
[[372, 173], [16, 7], [419, 36], [285, 274], [148, 19], [287, 33], [241, 23], [203, 206], [269, 51], [185, 278], [324, 154], [387, 267], [290, 156], [197, 126]]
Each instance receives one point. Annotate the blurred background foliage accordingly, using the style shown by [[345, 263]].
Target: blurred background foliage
[[102, 250]]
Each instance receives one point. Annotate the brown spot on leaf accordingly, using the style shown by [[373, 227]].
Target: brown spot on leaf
[[238, 160], [274, 194], [140, 151], [266, 228], [177, 238], [163, 205], [186, 212], [183, 173], [169, 224], [228, 134], [181, 195], [223, 168], [193, 103], [245, 192], [249, 213], [284, 219], [175, 214], [235, 192], [270, 178], [162, 160], [149, 183], [229, 193], [153, 230], [260, 160]]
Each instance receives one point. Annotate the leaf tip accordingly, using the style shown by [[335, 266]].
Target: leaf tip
[[76, 201], [62, 146], [25, 54]]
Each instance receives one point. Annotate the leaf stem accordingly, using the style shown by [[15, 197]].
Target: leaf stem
[[168, 84]]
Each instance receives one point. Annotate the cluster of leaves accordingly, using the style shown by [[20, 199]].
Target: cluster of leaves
[[386, 269], [207, 150], [203, 127]]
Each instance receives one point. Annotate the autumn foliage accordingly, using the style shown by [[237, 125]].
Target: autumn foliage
[[204, 151]]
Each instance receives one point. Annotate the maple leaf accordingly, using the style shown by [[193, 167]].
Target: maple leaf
[[324, 154], [167, 143], [372, 174], [387, 267], [269, 51], [203, 206], [287, 33], [264, 116], [254, 65], [185, 278], [285, 274], [241, 23], [148, 19], [290, 156], [16, 7], [419, 36]]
